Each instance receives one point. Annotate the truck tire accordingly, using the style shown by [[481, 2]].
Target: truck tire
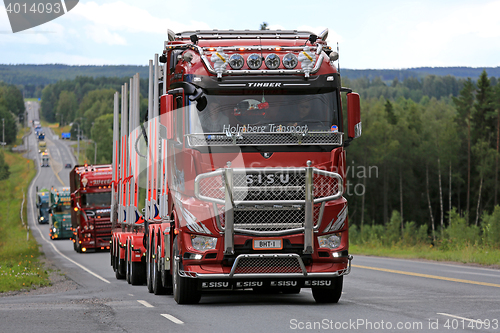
[[149, 272], [120, 267], [158, 288], [330, 294], [137, 273], [127, 262], [166, 278], [185, 289]]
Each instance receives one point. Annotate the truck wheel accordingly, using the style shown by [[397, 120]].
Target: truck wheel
[[166, 278], [136, 273], [185, 289], [149, 274], [120, 266], [127, 261], [331, 294], [111, 255], [158, 288]]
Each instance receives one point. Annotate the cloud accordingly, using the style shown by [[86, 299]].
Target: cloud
[[102, 35], [455, 35], [333, 36], [122, 17], [69, 59]]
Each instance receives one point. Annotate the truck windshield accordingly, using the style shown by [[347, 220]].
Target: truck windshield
[[63, 208], [266, 113], [96, 199]]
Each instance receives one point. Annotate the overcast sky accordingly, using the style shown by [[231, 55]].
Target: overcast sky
[[382, 34]]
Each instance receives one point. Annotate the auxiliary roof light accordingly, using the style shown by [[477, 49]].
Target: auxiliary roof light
[[272, 61], [254, 61], [236, 61], [290, 61]]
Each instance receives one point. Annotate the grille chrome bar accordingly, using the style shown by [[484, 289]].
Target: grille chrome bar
[[268, 264], [237, 191], [265, 139]]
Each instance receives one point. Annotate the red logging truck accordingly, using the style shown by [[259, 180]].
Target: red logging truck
[[242, 164], [90, 187]]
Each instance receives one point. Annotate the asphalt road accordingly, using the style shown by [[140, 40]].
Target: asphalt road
[[380, 294]]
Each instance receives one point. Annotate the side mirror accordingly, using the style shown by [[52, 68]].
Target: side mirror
[[353, 116], [195, 94], [167, 108], [72, 196]]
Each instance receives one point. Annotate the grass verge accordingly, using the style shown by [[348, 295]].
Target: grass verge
[[468, 254], [20, 266]]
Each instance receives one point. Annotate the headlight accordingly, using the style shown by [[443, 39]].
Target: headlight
[[54, 229], [330, 241], [41, 218], [290, 61], [236, 61], [272, 61], [254, 61], [203, 243]]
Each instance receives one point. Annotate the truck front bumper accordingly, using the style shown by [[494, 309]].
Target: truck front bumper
[[265, 270]]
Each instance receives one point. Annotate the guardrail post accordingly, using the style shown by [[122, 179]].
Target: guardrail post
[[229, 215], [308, 223]]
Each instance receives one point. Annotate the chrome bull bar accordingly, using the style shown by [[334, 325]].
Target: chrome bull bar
[[221, 190]]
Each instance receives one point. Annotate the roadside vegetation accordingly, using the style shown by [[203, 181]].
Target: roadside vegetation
[[457, 242], [20, 266]]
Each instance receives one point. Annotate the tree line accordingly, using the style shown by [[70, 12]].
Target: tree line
[[436, 154], [12, 110], [87, 104], [429, 147]]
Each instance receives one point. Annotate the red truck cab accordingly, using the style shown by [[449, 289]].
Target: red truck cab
[[90, 188], [245, 165]]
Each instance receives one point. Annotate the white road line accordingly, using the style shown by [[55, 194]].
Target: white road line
[[453, 316], [172, 318], [146, 304], [52, 244]]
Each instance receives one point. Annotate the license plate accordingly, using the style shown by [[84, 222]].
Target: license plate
[[267, 244]]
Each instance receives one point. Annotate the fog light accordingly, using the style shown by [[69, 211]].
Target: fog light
[[254, 61], [236, 61], [330, 241], [203, 243], [272, 61], [290, 61]]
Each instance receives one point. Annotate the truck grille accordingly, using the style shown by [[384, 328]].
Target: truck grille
[[103, 229], [265, 139], [268, 219], [268, 264], [267, 201], [270, 186]]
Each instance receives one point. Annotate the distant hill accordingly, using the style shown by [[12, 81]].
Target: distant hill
[[420, 72], [41, 75], [33, 78]]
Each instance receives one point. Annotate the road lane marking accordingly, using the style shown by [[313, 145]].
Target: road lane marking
[[52, 244], [172, 318], [53, 163], [146, 304], [429, 276], [453, 316]]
